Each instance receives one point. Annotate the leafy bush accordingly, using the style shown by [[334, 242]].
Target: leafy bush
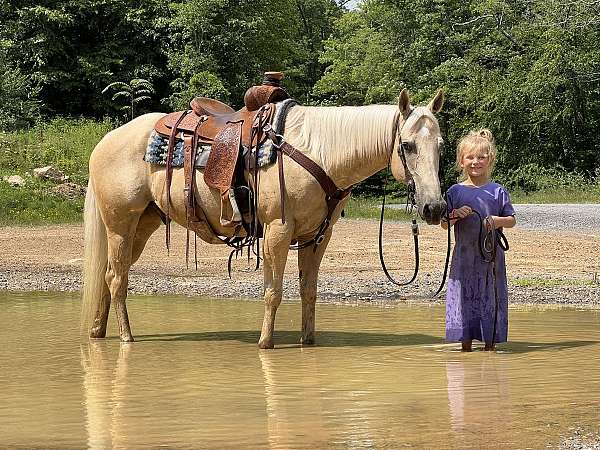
[[19, 106], [202, 84], [532, 177]]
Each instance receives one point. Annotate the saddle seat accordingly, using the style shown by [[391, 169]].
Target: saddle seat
[[219, 114], [204, 106]]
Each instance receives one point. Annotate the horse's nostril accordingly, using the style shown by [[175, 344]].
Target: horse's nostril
[[427, 211]]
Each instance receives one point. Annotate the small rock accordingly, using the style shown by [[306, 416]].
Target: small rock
[[14, 180], [50, 173], [69, 190]]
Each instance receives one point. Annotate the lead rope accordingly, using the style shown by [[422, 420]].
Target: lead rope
[[488, 245]]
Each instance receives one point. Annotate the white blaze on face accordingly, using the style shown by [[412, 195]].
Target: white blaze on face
[[424, 166]]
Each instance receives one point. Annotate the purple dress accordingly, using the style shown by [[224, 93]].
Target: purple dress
[[470, 299]]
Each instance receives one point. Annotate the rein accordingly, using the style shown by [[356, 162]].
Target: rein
[[415, 233]]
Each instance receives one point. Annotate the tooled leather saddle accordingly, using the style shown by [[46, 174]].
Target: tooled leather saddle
[[228, 132]]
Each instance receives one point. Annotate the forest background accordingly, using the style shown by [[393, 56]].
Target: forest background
[[527, 69]]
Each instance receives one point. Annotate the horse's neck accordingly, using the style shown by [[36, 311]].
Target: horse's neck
[[349, 143]]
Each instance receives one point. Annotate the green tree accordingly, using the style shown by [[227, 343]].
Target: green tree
[[72, 49], [237, 41], [134, 92], [529, 70]]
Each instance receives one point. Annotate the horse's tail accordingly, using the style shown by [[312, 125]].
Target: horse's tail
[[95, 257]]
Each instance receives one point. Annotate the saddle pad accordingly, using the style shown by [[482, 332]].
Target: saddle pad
[[156, 152]]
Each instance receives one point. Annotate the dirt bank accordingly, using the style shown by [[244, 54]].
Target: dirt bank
[[544, 267]]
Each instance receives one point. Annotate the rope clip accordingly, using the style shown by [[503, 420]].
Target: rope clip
[[415, 228]]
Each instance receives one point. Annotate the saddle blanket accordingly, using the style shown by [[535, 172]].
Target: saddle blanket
[[156, 152]]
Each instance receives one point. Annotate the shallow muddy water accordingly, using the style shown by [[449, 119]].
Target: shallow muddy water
[[379, 378]]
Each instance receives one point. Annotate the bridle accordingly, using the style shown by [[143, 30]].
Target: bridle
[[403, 147], [401, 150]]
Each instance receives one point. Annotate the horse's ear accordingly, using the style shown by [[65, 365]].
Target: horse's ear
[[404, 103], [436, 104]]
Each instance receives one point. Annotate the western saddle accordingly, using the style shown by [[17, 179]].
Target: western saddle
[[230, 133]]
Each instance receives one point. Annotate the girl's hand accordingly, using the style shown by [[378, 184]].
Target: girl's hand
[[500, 222], [461, 213], [490, 223]]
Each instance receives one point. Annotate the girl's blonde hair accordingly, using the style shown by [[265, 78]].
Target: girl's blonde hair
[[479, 142]]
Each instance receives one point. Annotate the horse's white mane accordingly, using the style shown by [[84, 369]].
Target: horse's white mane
[[337, 137]]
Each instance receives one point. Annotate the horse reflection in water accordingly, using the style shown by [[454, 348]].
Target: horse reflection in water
[[118, 417], [348, 143], [105, 387]]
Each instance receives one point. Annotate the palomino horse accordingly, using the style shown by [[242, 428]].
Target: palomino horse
[[349, 143]]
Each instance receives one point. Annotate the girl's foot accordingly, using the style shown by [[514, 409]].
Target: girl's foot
[[467, 346], [489, 347]]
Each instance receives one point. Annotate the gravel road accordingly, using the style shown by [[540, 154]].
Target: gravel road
[[554, 216], [558, 216]]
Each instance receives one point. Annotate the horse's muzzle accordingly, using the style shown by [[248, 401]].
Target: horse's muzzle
[[433, 211]]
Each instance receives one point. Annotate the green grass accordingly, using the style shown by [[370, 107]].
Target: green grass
[[64, 144], [370, 208], [548, 283], [33, 204], [584, 194]]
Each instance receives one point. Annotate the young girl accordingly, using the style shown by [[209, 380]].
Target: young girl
[[472, 309]]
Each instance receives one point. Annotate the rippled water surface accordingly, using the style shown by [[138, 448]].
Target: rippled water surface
[[378, 378]]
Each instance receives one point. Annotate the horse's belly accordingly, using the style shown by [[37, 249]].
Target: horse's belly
[[208, 202]]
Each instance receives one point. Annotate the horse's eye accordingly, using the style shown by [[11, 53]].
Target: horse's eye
[[408, 147]]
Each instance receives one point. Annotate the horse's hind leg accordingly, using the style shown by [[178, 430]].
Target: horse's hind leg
[[121, 238], [309, 262], [147, 224], [275, 250], [98, 329]]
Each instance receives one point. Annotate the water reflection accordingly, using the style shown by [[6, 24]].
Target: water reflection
[[377, 378], [303, 408], [105, 385], [287, 421], [479, 399]]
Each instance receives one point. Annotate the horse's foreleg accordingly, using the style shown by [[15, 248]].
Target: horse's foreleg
[[275, 250], [309, 261]]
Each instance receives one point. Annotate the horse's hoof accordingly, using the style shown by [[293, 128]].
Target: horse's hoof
[[97, 333], [266, 344], [307, 340]]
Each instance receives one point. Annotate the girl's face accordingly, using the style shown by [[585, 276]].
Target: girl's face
[[475, 165]]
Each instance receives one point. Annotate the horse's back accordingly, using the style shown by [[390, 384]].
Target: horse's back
[[130, 137]]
